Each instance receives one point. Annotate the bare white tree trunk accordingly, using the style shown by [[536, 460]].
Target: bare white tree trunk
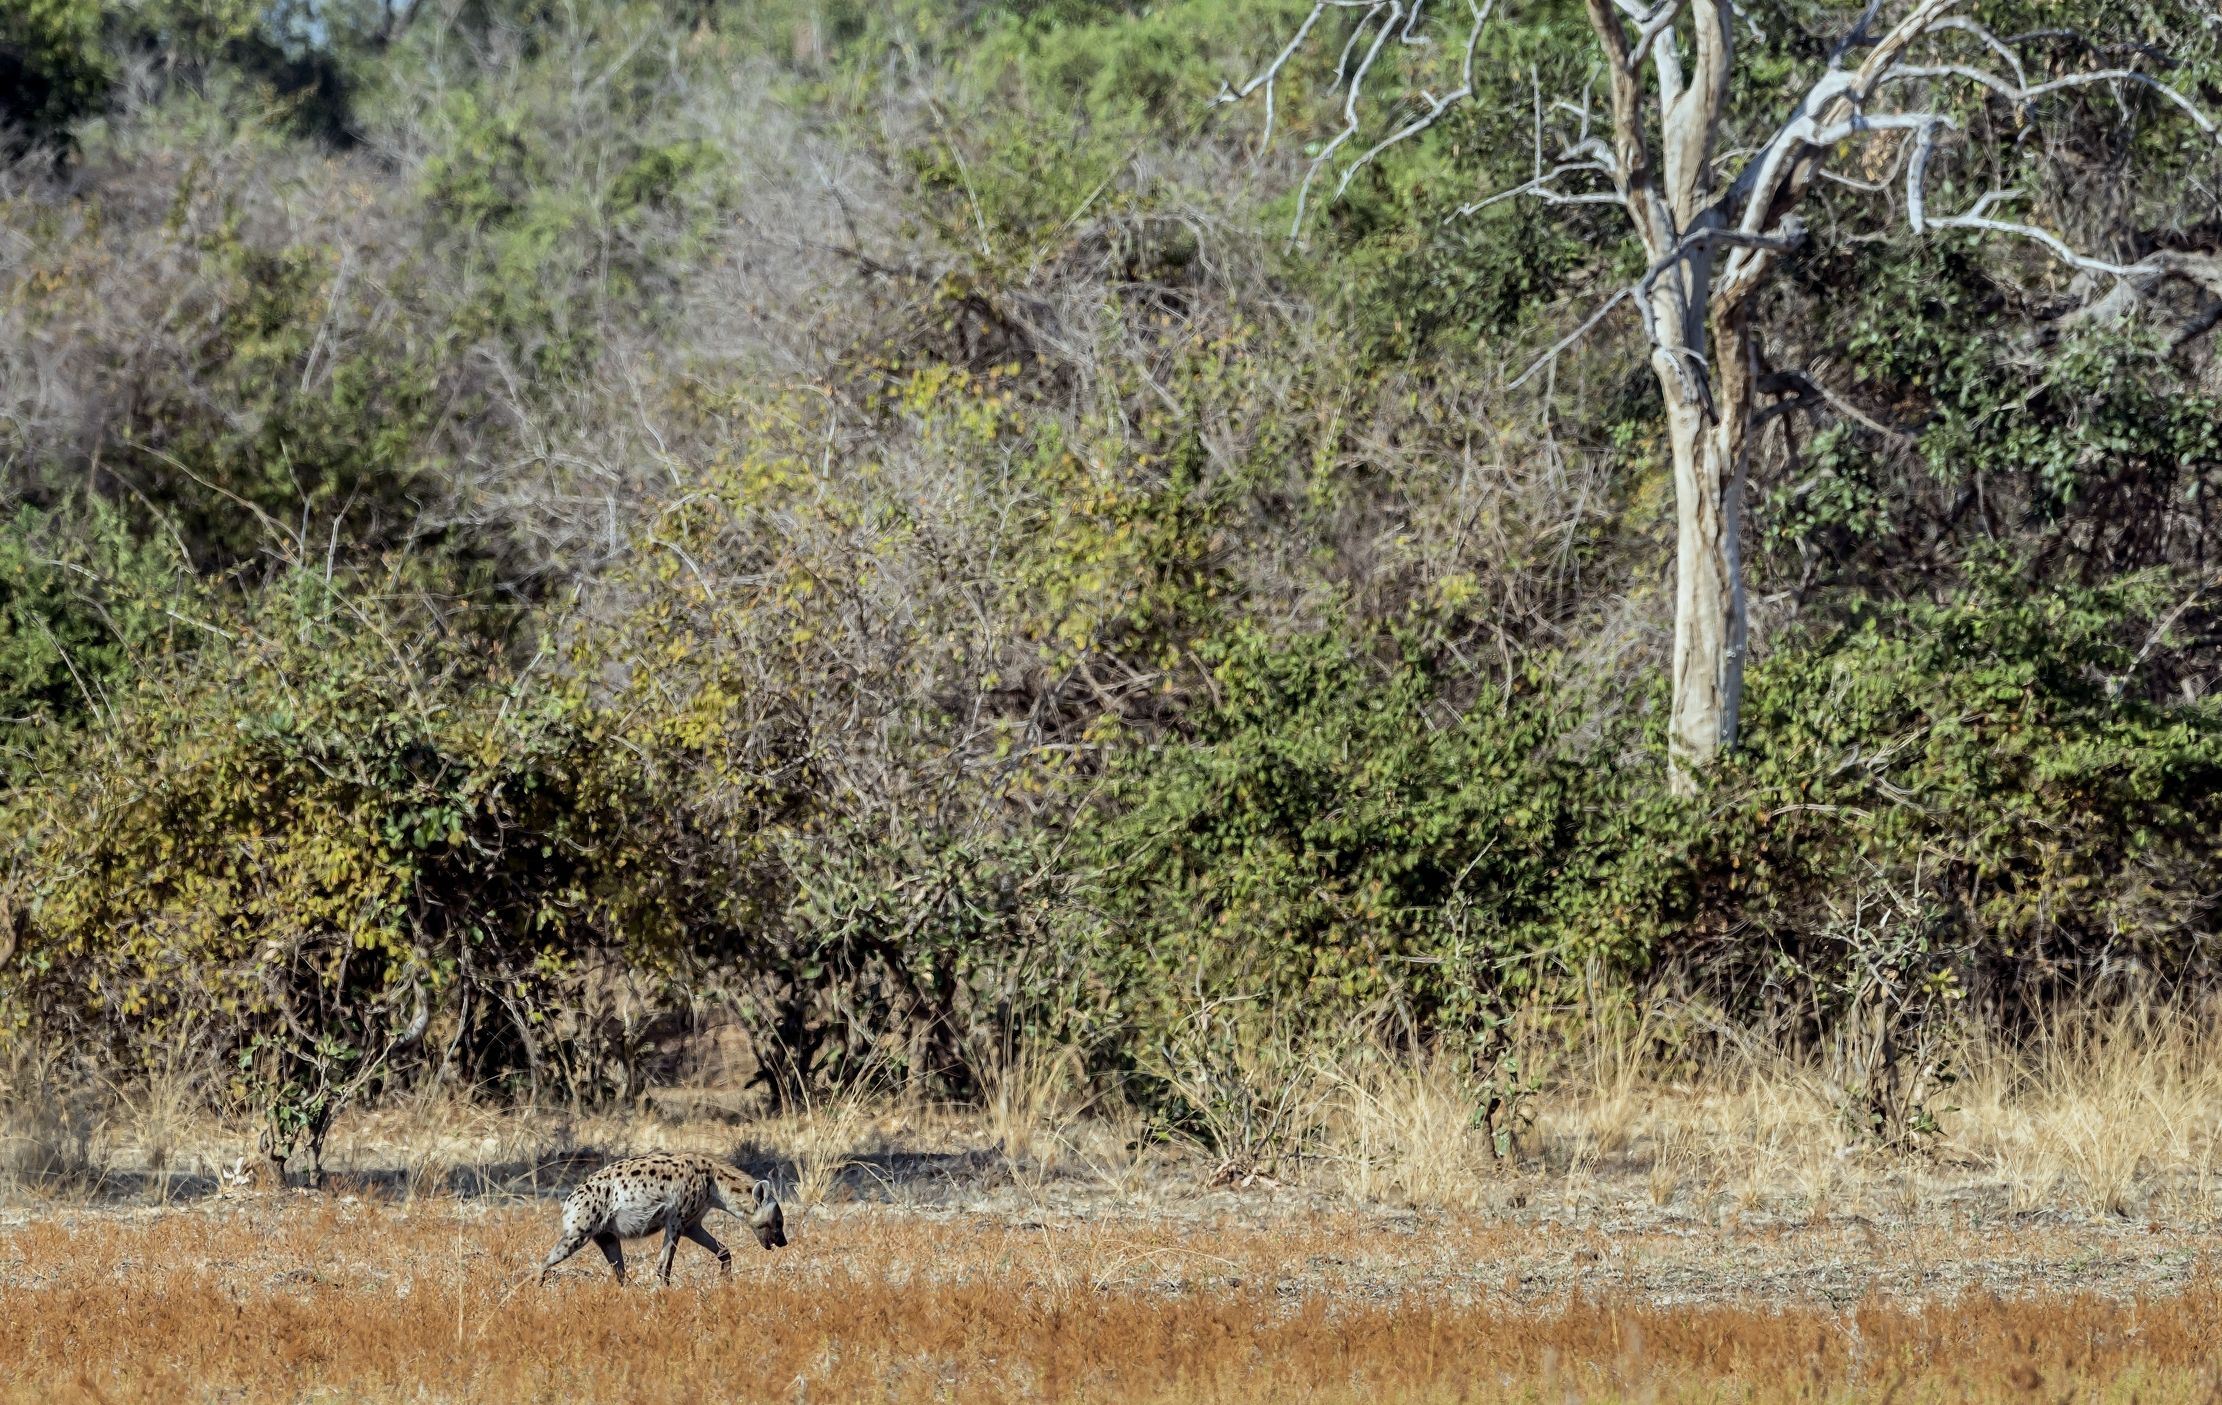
[[1710, 628], [1699, 353]]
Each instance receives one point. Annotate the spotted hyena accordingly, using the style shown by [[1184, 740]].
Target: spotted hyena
[[670, 1191]]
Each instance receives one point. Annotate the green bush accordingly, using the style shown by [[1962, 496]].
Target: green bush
[[1338, 836], [284, 845], [86, 604], [53, 70], [2104, 415], [1991, 769]]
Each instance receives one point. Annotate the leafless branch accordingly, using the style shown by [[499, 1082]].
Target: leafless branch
[[1437, 106], [1557, 348], [2059, 247], [1270, 75], [1541, 186], [1811, 390], [2131, 76], [2118, 682], [1585, 154], [1354, 92], [2005, 51]]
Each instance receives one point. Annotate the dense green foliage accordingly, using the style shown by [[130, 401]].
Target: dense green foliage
[[852, 520], [52, 67]]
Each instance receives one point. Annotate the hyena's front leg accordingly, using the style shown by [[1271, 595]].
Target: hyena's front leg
[[614, 1251], [708, 1241]]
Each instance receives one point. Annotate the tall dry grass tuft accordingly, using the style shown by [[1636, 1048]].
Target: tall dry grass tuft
[[1112, 1145], [438, 1134], [164, 1115], [2116, 1107], [1031, 1094], [1601, 1088], [441, 1138], [1615, 1101], [1404, 1130], [822, 1137], [49, 1124], [2107, 1112], [1250, 1099]]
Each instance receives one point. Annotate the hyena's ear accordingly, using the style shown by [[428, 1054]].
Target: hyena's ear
[[766, 1213]]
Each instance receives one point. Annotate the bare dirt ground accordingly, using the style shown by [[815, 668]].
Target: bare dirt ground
[[929, 1265], [1532, 1256]]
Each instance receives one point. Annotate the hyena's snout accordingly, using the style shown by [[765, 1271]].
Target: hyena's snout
[[768, 1222]]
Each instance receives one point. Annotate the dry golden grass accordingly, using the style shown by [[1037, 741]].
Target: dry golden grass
[[295, 1298], [2119, 1115], [2113, 1114], [1031, 1103], [2109, 1113], [1402, 1131], [1659, 1234], [49, 1125]]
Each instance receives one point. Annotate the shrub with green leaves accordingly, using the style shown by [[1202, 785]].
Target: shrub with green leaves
[[86, 604], [1991, 768], [53, 70], [283, 845], [1339, 837]]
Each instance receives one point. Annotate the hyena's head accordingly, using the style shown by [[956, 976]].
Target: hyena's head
[[770, 1225]]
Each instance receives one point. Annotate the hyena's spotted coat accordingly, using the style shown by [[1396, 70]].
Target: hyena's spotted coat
[[670, 1191]]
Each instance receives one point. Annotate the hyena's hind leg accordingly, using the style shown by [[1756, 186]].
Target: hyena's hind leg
[[575, 1240], [709, 1241], [672, 1232]]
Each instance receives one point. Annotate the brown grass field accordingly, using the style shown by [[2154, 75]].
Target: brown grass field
[[294, 1297], [1654, 1239]]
